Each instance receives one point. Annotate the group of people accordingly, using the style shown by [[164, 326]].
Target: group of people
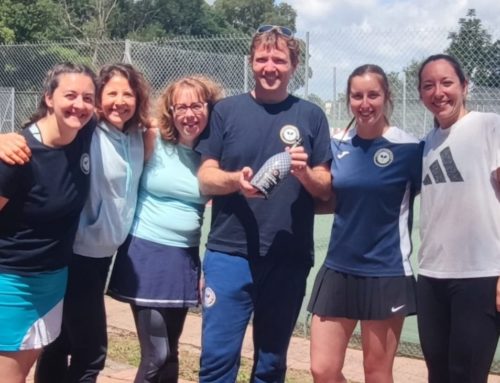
[[119, 174], [94, 174], [376, 172]]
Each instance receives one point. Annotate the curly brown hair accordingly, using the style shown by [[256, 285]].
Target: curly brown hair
[[137, 83], [207, 90]]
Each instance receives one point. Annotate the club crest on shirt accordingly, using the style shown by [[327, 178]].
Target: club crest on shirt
[[383, 157], [289, 134], [85, 163]]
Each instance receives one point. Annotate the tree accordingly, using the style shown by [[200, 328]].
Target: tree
[[24, 21], [282, 14], [150, 19], [314, 98], [411, 72], [89, 19], [246, 15], [7, 35], [494, 58], [473, 47]]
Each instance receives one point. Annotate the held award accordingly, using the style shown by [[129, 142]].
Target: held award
[[274, 170]]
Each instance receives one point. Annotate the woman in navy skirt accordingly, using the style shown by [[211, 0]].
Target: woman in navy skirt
[[157, 269]]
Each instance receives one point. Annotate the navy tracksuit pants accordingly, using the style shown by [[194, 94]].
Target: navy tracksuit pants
[[236, 288]]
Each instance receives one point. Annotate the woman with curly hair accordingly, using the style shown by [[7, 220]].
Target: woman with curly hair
[[157, 269]]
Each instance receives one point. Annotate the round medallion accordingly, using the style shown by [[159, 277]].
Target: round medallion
[[209, 297], [85, 163], [383, 157], [289, 134]]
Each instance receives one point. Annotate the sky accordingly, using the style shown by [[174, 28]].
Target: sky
[[322, 15], [418, 28], [430, 21]]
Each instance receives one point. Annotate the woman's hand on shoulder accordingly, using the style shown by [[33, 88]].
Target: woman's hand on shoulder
[[14, 149]]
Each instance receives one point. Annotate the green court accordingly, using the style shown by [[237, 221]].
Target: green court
[[323, 223], [322, 228]]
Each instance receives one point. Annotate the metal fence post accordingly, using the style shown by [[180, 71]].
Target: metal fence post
[[126, 54], [12, 112], [245, 74], [306, 69], [403, 73], [334, 95]]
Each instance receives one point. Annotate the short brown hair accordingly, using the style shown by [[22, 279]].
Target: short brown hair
[[208, 90], [271, 39]]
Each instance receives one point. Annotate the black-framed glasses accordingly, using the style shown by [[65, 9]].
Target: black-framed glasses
[[285, 31], [196, 108]]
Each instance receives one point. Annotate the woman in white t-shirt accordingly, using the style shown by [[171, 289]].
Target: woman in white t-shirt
[[458, 294]]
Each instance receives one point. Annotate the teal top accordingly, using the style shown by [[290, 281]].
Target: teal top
[[170, 205]]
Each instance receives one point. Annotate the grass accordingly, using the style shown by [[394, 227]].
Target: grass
[[124, 348]]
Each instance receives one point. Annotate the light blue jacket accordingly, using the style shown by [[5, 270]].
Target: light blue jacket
[[116, 160]]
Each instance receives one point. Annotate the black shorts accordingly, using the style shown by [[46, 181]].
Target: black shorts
[[343, 295]]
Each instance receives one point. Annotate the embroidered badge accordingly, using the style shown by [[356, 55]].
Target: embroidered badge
[[383, 157], [208, 297], [289, 134], [85, 163]]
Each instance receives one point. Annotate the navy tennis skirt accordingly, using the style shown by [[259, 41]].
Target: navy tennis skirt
[[150, 274]]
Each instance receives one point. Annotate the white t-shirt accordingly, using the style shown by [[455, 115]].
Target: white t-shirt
[[460, 199]]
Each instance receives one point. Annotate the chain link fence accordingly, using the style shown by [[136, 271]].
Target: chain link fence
[[329, 61], [6, 110]]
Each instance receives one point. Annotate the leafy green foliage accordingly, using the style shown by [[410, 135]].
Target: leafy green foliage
[[473, 46], [25, 21], [246, 15]]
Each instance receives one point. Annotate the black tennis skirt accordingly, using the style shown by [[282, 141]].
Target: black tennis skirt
[[343, 295]]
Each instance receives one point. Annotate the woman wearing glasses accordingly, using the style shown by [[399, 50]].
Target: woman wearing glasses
[[157, 268]]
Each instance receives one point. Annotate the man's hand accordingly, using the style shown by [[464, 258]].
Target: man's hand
[[246, 188], [215, 181], [299, 161], [316, 180]]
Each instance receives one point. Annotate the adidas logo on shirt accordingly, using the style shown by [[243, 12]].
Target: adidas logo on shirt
[[438, 170]]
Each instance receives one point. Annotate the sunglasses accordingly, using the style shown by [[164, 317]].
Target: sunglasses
[[284, 31]]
